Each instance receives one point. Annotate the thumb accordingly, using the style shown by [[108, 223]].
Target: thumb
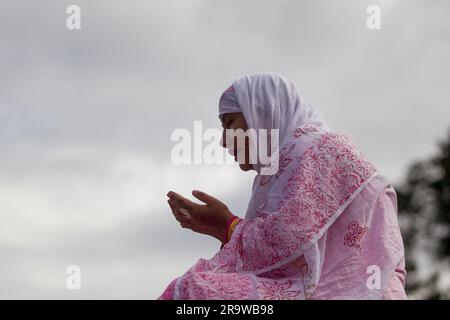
[[206, 198]]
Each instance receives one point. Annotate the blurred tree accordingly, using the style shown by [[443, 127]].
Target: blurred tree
[[424, 215]]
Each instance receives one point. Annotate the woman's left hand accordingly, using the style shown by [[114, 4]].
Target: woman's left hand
[[210, 218]]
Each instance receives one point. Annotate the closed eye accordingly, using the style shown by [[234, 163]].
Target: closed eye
[[226, 123]]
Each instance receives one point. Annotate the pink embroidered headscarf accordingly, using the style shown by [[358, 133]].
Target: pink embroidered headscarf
[[323, 227]]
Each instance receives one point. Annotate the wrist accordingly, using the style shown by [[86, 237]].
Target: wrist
[[229, 228]]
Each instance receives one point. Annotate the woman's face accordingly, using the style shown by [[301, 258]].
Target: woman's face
[[236, 121]]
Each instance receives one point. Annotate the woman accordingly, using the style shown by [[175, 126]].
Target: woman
[[323, 226]]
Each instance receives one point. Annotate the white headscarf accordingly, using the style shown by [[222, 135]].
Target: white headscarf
[[269, 101]]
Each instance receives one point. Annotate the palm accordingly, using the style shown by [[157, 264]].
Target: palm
[[209, 219]]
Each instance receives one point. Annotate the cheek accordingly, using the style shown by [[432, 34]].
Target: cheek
[[243, 124]]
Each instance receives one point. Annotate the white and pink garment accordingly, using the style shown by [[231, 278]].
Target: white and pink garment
[[323, 227]]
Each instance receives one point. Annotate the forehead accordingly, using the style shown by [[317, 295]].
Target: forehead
[[228, 116]]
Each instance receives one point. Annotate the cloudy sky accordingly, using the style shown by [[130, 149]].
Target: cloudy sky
[[86, 118]]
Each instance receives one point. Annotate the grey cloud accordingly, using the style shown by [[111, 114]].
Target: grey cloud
[[137, 71]]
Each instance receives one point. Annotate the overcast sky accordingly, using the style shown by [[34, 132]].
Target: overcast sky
[[86, 117]]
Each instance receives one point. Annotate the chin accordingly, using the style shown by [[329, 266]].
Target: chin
[[245, 167]]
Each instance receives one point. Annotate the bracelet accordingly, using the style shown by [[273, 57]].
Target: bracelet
[[232, 227], [231, 224]]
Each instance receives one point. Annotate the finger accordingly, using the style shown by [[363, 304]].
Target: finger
[[185, 226], [181, 201], [178, 213], [206, 198], [181, 214], [185, 213], [174, 210]]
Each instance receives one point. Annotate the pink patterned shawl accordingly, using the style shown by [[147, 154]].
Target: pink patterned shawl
[[324, 227]]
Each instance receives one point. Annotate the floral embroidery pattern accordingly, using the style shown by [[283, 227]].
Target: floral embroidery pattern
[[327, 174], [277, 290], [307, 276], [304, 130], [284, 161], [320, 182], [211, 285], [354, 235]]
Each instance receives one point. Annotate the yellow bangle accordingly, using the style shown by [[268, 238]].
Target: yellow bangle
[[231, 227]]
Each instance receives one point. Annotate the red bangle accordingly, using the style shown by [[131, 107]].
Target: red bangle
[[228, 225]]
